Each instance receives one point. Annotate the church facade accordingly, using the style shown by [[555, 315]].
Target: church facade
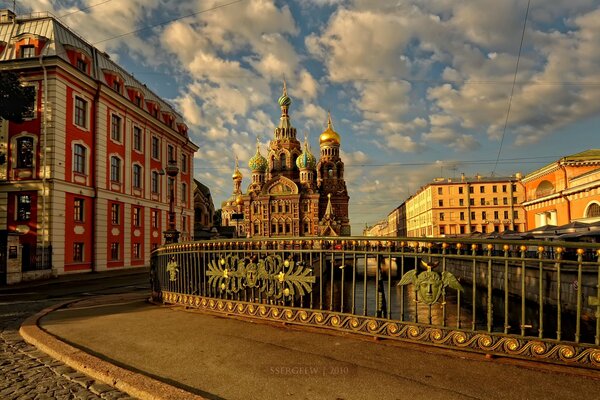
[[291, 193]]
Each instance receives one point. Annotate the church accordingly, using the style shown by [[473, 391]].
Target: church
[[291, 193]]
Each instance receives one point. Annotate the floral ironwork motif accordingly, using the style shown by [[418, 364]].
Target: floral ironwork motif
[[428, 284], [172, 269], [273, 276]]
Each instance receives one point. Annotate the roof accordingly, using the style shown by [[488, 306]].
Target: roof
[[202, 187], [59, 37], [590, 156], [587, 155]]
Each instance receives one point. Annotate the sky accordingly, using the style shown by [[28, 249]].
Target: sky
[[417, 89]]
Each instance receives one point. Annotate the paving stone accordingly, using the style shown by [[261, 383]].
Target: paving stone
[[99, 388]]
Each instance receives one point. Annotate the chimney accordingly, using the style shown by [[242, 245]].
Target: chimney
[[462, 176]]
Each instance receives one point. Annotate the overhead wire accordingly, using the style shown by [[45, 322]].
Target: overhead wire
[[512, 90]]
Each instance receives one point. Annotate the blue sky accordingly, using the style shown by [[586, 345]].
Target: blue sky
[[417, 89]]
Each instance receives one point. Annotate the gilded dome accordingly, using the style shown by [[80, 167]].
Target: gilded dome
[[236, 174], [306, 160], [329, 136], [258, 162]]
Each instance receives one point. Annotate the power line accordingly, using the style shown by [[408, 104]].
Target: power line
[[169, 21], [512, 90], [85, 8]]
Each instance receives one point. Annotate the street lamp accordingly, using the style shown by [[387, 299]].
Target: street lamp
[[239, 201], [171, 235]]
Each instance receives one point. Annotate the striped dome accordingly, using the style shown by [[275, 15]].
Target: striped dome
[[306, 159], [258, 163]]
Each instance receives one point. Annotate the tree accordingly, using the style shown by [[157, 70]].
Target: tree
[[217, 218], [15, 99]]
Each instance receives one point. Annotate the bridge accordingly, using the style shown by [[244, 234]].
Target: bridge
[[535, 300]]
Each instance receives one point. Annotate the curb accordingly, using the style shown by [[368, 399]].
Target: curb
[[134, 384]]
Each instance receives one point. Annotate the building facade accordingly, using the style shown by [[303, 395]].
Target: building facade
[[564, 191], [204, 211], [448, 207], [291, 193], [84, 174]]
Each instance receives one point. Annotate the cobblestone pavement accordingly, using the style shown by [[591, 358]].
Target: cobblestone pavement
[[27, 373]]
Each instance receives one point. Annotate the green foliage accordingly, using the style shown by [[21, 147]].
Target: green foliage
[[15, 100]]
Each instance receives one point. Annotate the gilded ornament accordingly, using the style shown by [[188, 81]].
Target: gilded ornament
[[172, 269], [413, 331], [428, 284], [372, 325]]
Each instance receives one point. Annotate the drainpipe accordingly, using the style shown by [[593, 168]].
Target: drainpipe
[[44, 158], [93, 170]]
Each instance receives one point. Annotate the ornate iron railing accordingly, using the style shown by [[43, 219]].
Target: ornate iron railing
[[526, 299]]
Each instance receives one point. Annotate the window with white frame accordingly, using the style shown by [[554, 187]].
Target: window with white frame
[[184, 193], [79, 159], [137, 138], [23, 207], [115, 128], [78, 210], [115, 213], [137, 176], [155, 182], [184, 162], [155, 148], [81, 109], [137, 216], [115, 169], [77, 252], [114, 251], [25, 152]]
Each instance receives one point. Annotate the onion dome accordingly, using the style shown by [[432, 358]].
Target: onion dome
[[306, 159], [258, 163], [329, 136], [239, 200], [284, 100], [237, 175]]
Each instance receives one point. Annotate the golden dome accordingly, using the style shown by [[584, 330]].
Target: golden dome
[[236, 174], [329, 136], [239, 200]]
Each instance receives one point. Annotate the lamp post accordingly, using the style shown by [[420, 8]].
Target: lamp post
[[171, 235], [239, 201]]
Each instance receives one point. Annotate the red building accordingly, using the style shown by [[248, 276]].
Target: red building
[[83, 175]]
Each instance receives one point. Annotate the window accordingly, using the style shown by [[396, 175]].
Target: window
[[462, 216], [441, 203], [81, 65], [439, 190], [137, 211], [483, 215], [494, 188], [503, 188], [483, 229], [505, 214], [78, 210], [137, 138], [138, 100], [471, 202], [482, 201], [170, 153], [115, 169], [460, 190], [114, 251], [80, 112], [282, 161], [115, 128], [137, 176], [27, 51], [496, 215], [514, 187], [441, 216], [137, 251], [79, 154], [115, 213], [117, 86], [155, 148], [515, 200], [183, 193], [155, 184], [25, 152], [495, 201], [461, 202], [442, 230], [184, 162], [481, 189], [471, 189], [515, 214], [23, 207], [505, 201], [77, 252], [154, 217], [462, 229]]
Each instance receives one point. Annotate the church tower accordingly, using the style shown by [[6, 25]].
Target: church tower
[[330, 179]]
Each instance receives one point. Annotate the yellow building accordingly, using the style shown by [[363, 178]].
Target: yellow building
[[448, 207]]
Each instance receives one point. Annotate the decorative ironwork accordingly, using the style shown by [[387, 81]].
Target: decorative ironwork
[[274, 277], [502, 345], [428, 284], [172, 269]]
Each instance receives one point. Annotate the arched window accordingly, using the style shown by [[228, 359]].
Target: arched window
[[593, 211], [545, 188], [282, 160]]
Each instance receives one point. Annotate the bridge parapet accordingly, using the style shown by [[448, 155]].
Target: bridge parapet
[[525, 299]]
